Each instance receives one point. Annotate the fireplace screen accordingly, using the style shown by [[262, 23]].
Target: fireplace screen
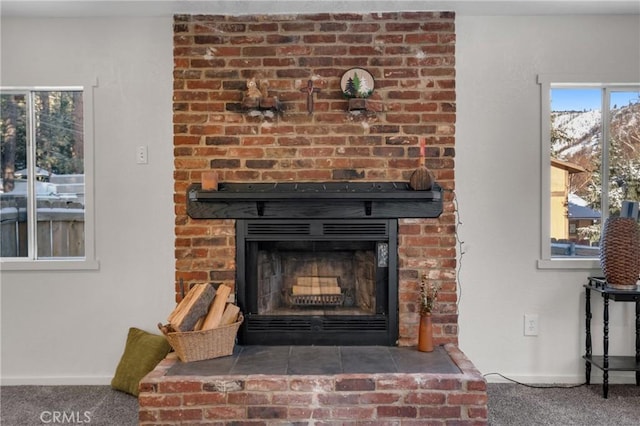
[[317, 282], [317, 278]]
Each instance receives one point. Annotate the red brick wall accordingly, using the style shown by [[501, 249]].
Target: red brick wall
[[412, 58]]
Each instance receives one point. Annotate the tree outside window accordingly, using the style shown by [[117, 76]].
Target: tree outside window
[[43, 188]]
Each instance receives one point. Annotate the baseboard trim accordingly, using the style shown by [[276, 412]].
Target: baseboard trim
[[615, 378], [596, 378], [55, 381]]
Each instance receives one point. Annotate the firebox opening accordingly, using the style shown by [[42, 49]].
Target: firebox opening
[[317, 282], [317, 278]]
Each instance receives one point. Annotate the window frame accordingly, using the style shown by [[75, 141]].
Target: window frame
[[548, 82], [89, 260]]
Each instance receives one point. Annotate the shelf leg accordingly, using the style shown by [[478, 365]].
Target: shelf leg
[[637, 340], [605, 344], [587, 310]]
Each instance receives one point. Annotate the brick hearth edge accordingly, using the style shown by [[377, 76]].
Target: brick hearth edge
[[371, 399]]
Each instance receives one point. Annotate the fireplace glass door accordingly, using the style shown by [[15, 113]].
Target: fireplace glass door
[[328, 282]]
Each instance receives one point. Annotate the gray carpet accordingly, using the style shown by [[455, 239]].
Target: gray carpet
[[509, 405], [54, 405], [512, 404]]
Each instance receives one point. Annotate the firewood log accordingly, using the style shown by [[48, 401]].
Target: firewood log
[[317, 281], [216, 310], [230, 314], [304, 290], [195, 305]]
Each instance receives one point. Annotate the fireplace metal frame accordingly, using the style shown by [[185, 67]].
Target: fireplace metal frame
[[380, 328]]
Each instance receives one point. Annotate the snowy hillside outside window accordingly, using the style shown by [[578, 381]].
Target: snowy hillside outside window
[[594, 151], [42, 186]]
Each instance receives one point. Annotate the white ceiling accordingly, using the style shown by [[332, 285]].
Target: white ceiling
[[86, 8]]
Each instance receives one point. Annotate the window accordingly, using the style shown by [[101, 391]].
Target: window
[[591, 146], [44, 202]]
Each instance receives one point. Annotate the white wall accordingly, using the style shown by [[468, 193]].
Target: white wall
[[70, 327], [498, 189]]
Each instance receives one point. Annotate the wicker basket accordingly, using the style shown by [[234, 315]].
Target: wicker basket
[[620, 252], [206, 344]]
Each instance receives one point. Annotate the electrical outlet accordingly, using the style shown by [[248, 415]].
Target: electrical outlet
[[141, 154], [531, 324]]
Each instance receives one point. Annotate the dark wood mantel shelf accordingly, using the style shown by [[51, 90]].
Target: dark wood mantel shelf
[[337, 200]]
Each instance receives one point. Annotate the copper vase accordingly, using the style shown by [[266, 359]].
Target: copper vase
[[425, 333]]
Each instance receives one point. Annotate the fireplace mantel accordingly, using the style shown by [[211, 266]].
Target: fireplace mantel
[[328, 200]]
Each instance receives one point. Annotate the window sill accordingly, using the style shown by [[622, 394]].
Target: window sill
[[50, 265], [574, 264]]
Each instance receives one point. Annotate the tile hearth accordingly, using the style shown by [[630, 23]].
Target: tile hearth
[[320, 360], [317, 385]]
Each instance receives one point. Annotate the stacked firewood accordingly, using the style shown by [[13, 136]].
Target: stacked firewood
[[315, 286], [202, 308]]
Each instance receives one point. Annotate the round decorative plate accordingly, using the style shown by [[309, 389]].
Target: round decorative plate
[[357, 83]]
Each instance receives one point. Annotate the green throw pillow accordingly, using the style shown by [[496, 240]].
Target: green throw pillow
[[142, 353]]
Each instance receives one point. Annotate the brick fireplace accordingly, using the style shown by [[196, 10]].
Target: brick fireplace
[[340, 237], [411, 56], [302, 137]]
